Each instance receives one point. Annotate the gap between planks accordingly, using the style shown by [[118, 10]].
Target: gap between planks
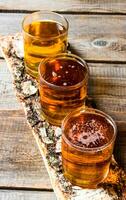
[[64, 12], [11, 188]]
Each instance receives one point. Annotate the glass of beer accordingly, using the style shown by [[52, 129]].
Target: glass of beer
[[88, 137], [45, 34], [63, 86]]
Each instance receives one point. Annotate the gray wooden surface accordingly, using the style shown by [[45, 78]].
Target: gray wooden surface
[[99, 6], [98, 34], [26, 195]]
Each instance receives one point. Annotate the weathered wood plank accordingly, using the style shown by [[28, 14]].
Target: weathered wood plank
[[120, 149], [108, 86], [113, 104], [108, 80], [94, 37], [107, 70], [26, 195], [107, 6], [20, 161], [7, 95]]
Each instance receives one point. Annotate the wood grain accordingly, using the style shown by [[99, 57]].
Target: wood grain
[[26, 195], [107, 85], [21, 165], [100, 6], [93, 37], [7, 95], [120, 149]]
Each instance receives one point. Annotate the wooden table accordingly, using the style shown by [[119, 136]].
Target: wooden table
[[98, 34]]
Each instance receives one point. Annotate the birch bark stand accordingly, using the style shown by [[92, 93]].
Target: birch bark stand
[[48, 137]]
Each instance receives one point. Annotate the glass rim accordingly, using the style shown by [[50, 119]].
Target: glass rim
[[45, 12], [85, 109], [71, 87]]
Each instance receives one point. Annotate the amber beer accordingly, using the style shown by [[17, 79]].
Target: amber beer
[[87, 146], [63, 86], [45, 34]]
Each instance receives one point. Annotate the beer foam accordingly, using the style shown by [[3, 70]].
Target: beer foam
[[91, 131], [65, 72]]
